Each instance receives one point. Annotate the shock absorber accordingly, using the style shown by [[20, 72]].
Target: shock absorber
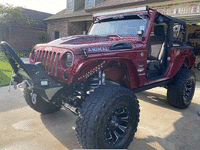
[[97, 80]]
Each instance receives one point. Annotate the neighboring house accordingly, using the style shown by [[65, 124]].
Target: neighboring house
[[188, 10], [71, 21], [22, 37], [77, 17]]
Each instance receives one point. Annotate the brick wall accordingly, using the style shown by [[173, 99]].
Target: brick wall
[[66, 28], [78, 4], [76, 28], [61, 26], [22, 38]]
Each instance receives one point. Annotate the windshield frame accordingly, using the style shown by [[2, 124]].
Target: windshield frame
[[121, 17]]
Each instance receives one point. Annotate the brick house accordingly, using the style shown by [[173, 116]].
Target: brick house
[[71, 21], [77, 17], [24, 38]]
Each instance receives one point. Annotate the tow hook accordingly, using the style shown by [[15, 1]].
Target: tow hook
[[22, 85], [33, 97]]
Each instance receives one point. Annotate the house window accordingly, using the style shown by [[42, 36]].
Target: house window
[[57, 34], [69, 4], [89, 2]]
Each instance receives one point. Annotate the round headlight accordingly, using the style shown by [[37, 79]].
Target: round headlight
[[68, 59]]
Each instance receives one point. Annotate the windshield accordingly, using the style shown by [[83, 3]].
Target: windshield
[[121, 25]]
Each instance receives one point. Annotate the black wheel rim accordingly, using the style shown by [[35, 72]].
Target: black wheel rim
[[117, 125], [187, 91]]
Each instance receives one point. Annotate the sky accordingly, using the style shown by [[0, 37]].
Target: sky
[[48, 6]]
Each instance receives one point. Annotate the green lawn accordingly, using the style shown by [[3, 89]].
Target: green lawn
[[5, 70]]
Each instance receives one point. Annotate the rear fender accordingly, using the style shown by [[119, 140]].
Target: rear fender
[[191, 60], [186, 61]]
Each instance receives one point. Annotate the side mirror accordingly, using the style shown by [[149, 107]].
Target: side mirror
[[140, 33]]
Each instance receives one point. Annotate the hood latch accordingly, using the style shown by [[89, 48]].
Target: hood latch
[[84, 52]]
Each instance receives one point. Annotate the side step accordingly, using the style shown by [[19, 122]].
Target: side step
[[162, 83]]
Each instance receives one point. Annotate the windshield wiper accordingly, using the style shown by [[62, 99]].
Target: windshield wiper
[[142, 17], [115, 35]]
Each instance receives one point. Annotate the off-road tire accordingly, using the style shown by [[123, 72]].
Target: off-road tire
[[180, 93], [41, 105], [108, 106], [198, 66]]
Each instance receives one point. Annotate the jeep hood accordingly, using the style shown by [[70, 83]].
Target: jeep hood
[[93, 44]]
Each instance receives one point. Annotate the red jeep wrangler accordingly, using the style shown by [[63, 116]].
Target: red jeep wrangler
[[96, 75]]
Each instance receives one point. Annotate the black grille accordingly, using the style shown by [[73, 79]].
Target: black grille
[[49, 60], [56, 68], [45, 59], [42, 57], [54, 55]]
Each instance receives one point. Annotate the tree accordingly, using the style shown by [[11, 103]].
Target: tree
[[10, 15], [42, 37]]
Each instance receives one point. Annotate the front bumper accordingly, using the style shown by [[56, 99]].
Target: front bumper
[[32, 75]]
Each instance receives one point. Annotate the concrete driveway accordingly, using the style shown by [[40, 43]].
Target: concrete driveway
[[161, 126]]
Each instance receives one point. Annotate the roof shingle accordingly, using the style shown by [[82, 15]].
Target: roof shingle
[[37, 16], [64, 14]]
